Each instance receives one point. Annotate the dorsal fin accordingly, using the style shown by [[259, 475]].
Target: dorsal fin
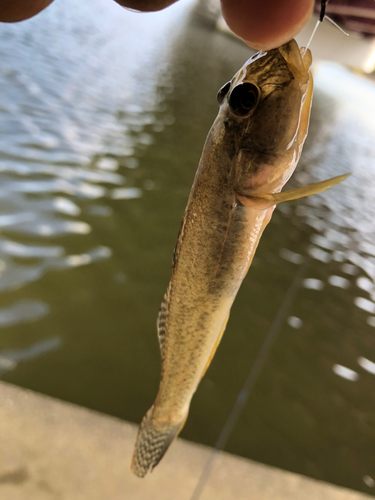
[[162, 318]]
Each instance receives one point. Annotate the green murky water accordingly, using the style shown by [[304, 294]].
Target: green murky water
[[103, 115]]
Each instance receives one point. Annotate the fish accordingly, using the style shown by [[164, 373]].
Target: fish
[[250, 152]]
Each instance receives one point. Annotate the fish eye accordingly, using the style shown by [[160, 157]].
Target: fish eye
[[222, 92], [243, 98]]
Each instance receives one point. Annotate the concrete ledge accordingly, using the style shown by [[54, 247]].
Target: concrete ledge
[[55, 450]]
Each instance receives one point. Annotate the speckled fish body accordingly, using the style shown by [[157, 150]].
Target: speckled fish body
[[251, 151]]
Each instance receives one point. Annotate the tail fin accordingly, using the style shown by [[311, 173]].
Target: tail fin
[[152, 442]]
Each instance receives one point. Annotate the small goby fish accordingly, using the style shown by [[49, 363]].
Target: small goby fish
[[251, 151]]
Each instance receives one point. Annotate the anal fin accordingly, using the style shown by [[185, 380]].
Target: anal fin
[[215, 347]]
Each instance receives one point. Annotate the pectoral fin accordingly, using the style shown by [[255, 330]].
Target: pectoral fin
[[264, 201]]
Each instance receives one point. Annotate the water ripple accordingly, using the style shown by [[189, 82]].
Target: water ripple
[[23, 311], [10, 358]]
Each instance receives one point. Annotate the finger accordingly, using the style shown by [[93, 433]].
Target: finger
[[12, 11], [146, 5], [266, 24]]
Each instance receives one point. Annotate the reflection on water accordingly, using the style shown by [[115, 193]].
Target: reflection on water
[[366, 364], [295, 322], [102, 128], [23, 311], [10, 358], [313, 284], [344, 372], [339, 281]]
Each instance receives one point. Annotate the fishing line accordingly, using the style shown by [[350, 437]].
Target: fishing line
[[337, 26], [251, 380], [311, 37], [322, 16]]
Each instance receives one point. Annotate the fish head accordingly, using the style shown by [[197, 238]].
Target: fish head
[[267, 102]]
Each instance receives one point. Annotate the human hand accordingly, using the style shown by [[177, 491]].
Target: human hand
[[262, 24]]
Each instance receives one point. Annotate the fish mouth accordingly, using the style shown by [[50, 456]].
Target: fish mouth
[[298, 60]]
